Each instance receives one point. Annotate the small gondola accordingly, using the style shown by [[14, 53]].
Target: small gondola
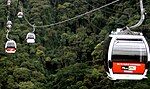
[[10, 46], [30, 37], [20, 14], [9, 24]]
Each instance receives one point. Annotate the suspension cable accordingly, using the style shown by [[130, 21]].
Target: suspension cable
[[8, 12], [104, 10], [8, 18], [73, 18]]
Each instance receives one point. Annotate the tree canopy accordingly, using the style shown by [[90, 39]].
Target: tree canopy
[[69, 55]]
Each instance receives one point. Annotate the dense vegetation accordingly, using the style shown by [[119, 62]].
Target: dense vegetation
[[69, 55]]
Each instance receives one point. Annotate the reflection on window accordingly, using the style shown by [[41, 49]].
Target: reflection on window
[[129, 50], [10, 45]]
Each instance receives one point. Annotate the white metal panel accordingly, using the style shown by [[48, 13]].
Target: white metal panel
[[30, 41]]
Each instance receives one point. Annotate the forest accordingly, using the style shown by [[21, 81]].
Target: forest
[[69, 55]]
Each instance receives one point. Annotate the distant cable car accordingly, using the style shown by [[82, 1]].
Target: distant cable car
[[30, 37], [9, 24], [8, 2], [128, 57], [20, 14], [10, 46]]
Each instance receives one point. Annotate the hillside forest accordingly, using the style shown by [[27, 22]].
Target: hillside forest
[[69, 55]]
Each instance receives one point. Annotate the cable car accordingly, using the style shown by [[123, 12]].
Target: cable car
[[8, 2], [30, 37], [20, 14], [10, 46], [128, 57], [9, 24]]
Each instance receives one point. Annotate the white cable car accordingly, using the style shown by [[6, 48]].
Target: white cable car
[[9, 24], [30, 37], [10, 46], [20, 14], [128, 57], [8, 2]]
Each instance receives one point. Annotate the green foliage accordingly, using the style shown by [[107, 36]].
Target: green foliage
[[69, 55], [21, 74], [27, 85], [71, 75]]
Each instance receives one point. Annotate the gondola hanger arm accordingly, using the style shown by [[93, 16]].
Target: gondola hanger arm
[[142, 16], [7, 35]]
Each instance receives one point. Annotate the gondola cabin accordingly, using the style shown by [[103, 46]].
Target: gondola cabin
[[20, 14], [128, 57], [8, 2], [9, 24], [10, 46], [30, 37]]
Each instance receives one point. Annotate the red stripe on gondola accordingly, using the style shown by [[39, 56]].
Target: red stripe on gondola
[[128, 68], [10, 49]]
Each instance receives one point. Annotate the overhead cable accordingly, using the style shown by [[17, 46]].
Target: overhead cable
[[73, 18]]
